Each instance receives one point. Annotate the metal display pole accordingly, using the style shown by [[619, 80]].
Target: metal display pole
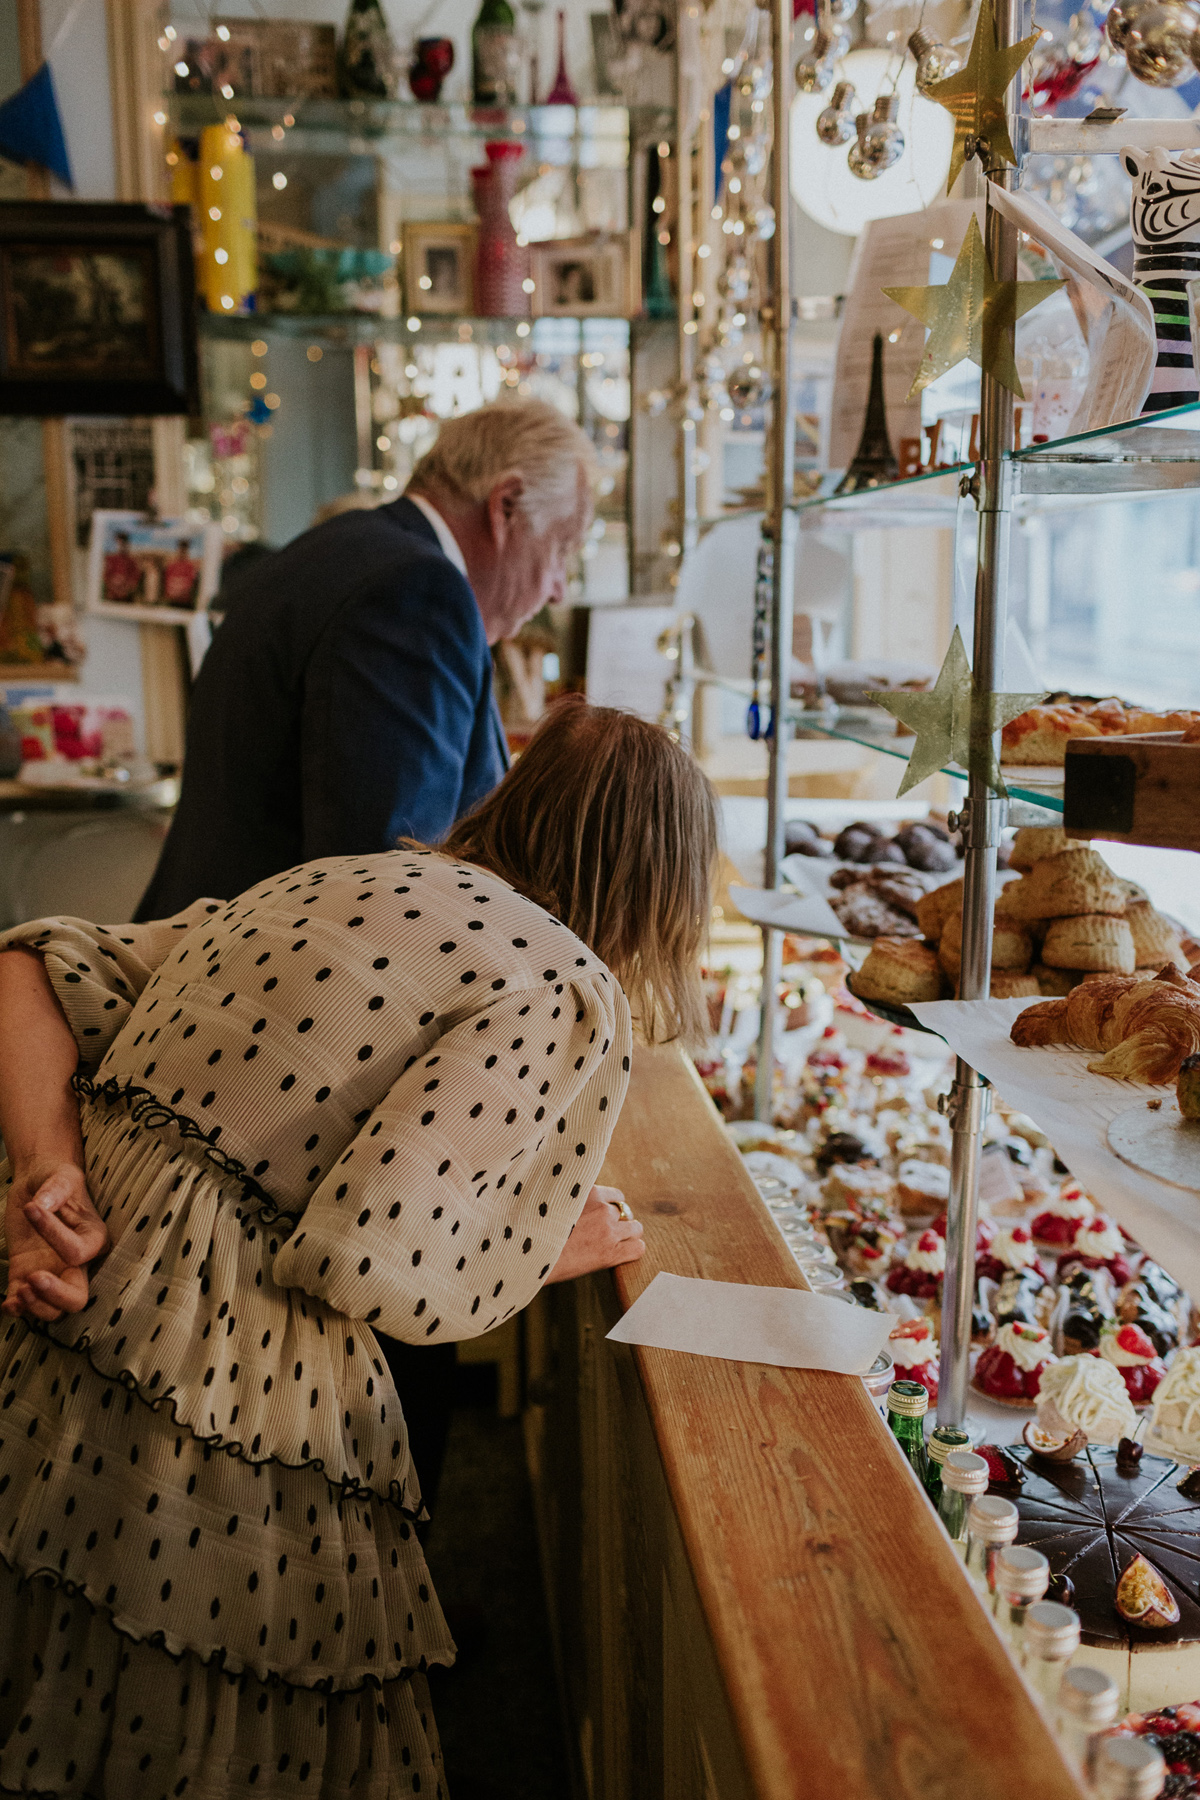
[[780, 526], [983, 814]]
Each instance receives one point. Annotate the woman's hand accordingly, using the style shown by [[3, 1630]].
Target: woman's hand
[[602, 1237], [53, 1233]]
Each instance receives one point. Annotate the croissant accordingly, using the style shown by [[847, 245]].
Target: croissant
[[1144, 1029]]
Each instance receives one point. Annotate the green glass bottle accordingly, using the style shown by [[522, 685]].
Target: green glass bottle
[[908, 1402], [493, 55], [964, 1478], [942, 1440]]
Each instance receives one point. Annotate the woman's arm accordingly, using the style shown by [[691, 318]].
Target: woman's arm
[[51, 1226]]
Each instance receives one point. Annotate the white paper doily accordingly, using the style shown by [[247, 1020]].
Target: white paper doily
[[1162, 1142]]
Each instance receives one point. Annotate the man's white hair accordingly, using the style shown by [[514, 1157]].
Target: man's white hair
[[529, 438]]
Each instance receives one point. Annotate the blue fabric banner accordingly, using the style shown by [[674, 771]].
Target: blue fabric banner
[[31, 129]]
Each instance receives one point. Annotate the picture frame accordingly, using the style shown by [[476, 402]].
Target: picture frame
[[97, 310], [152, 571], [585, 278], [439, 268], [261, 59]]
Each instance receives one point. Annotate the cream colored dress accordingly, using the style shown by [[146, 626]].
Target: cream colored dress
[[375, 1090]]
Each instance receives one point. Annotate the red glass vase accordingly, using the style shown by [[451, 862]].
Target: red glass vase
[[501, 265]]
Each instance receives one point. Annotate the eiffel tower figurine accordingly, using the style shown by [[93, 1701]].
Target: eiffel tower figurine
[[874, 462]]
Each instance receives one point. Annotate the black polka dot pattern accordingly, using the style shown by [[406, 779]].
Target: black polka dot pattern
[[376, 1089]]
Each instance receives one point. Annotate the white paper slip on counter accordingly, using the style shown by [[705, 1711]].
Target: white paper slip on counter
[[788, 1327]]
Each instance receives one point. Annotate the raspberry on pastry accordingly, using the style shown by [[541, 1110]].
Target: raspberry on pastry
[[913, 1349], [1010, 1250], [1100, 1244], [1058, 1224]]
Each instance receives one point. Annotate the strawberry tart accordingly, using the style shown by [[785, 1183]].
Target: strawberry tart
[[1011, 1367], [920, 1274], [1010, 1250], [1141, 1368], [1060, 1221], [1100, 1245], [914, 1350]]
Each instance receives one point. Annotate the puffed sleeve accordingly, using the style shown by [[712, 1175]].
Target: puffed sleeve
[[455, 1200], [98, 971]]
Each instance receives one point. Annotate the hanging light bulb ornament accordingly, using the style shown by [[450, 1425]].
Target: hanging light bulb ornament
[[879, 142], [935, 62], [814, 69], [1158, 44], [841, 11], [836, 124]]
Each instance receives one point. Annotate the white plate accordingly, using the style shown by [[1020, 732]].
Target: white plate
[[1161, 1142]]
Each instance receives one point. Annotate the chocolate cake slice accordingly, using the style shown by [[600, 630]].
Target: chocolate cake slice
[[1090, 1518]]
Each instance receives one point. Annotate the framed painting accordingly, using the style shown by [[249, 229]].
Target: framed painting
[[97, 310]]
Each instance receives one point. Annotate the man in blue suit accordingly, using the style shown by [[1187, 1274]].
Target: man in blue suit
[[347, 698]]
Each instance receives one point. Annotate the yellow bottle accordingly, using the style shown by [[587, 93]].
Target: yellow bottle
[[229, 218]]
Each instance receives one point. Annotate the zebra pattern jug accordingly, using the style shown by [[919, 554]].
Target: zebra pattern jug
[[1165, 220]]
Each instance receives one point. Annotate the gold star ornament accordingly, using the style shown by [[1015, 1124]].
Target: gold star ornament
[[952, 719], [971, 318], [976, 95]]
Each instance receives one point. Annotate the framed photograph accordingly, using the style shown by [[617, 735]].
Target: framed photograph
[[97, 310], [157, 571], [263, 59], [580, 278], [439, 268]]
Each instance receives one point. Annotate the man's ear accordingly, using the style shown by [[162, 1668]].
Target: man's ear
[[502, 503]]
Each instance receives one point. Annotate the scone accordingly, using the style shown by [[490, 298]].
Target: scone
[[1011, 984], [1096, 941], [1034, 843], [1055, 981], [937, 907], [922, 1188], [898, 971], [1012, 946], [1155, 940], [1068, 885]]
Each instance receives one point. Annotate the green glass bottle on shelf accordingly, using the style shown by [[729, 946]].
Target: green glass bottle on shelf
[[368, 68], [942, 1440], [494, 55], [908, 1402]]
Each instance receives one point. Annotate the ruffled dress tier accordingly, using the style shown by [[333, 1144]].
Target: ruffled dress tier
[[375, 1090]]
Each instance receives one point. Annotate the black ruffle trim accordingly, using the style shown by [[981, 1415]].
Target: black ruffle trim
[[345, 1486], [145, 1108], [155, 1640]]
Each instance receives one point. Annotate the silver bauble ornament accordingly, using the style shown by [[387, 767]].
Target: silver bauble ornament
[[1158, 44], [762, 223], [879, 141], [734, 281], [840, 11], [1116, 26], [935, 62], [836, 124], [748, 386]]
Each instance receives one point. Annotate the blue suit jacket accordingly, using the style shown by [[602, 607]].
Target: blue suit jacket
[[346, 702]]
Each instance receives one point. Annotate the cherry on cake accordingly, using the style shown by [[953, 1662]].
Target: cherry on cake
[[914, 1351], [1058, 1224], [1010, 1250], [1136, 1360], [920, 1274]]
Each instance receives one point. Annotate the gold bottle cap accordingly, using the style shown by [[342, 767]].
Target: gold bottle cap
[[1021, 1572], [1128, 1768], [1089, 1696], [993, 1520], [965, 1473], [945, 1439], [908, 1399], [1052, 1631]]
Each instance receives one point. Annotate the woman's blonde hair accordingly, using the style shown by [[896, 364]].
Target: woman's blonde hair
[[610, 825], [553, 457]]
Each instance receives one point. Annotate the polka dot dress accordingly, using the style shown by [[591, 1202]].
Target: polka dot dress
[[375, 1090]]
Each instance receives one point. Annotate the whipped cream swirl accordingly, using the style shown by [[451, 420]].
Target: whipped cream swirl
[[1091, 1396]]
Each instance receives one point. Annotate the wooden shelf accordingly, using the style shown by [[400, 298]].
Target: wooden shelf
[[1134, 790]]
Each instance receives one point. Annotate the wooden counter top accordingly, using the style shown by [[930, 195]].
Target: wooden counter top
[[855, 1656]]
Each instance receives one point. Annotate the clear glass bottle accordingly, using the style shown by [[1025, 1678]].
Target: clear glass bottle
[[1051, 1638], [1127, 1768], [1022, 1576], [991, 1523], [908, 1402], [942, 1440], [1088, 1702], [964, 1478]]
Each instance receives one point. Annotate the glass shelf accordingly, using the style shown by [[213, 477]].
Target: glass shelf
[[369, 328], [1154, 454], [336, 124]]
